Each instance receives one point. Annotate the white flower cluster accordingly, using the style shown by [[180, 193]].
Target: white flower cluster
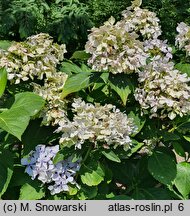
[[114, 49], [51, 92], [163, 89], [38, 57], [183, 37], [34, 58], [97, 123], [142, 21], [40, 165], [158, 50]]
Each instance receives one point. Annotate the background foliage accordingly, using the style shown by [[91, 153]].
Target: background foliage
[[68, 20]]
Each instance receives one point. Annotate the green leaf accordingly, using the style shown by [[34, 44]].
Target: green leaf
[[168, 136], [3, 80], [149, 130], [187, 138], [184, 127], [111, 156], [85, 68], [59, 157], [70, 68], [92, 174], [182, 124], [6, 170], [76, 83], [182, 180], [35, 134], [139, 121], [184, 68], [151, 194], [31, 191], [16, 119], [28, 101], [5, 44], [87, 192], [121, 84], [135, 147], [133, 173], [179, 149], [72, 190], [162, 167], [81, 55], [105, 77], [14, 122], [19, 177], [108, 175]]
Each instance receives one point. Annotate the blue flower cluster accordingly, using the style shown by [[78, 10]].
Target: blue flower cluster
[[40, 165]]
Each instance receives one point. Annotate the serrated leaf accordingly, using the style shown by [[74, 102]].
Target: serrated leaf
[[92, 174], [31, 191], [6, 170], [182, 180], [162, 167], [111, 156], [121, 84], [16, 119], [3, 80], [76, 83]]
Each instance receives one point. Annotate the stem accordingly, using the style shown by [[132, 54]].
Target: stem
[[87, 154], [172, 130]]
